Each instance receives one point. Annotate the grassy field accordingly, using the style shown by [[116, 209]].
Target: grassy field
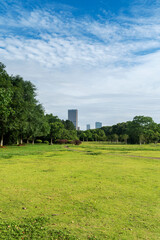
[[91, 191]]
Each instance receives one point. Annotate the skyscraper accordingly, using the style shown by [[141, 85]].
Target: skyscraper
[[98, 125], [88, 126], [73, 117]]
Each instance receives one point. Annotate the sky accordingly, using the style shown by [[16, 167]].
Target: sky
[[101, 57]]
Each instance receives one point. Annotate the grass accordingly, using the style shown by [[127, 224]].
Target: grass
[[91, 191]]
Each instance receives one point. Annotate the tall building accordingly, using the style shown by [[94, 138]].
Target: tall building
[[73, 117], [88, 126], [98, 125]]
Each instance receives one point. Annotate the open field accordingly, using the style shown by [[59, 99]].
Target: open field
[[91, 191]]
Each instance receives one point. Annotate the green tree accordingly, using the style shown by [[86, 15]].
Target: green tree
[[19, 120], [37, 123], [56, 127], [114, 137], [69, 134], [138, 128], [124, 137], [82, 136], [95, 136], [156, 137], [88, 135], [101, 135], [56, 131], [68, 125], [5, 101], [4, 78], [5, 111]]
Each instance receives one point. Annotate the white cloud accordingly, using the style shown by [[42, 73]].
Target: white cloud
[[108, 70]]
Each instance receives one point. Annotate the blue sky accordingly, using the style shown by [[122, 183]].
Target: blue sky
[[101, 57]]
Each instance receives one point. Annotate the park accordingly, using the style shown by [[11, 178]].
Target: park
[[95, 190], [96, 174]]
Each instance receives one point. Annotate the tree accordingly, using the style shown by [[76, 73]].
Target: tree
[[125, 137], [138, 128], [82, 136], [4, 78], [56, 127], [5, 111], [69, 134], [37, 123], [95, 136], [56, 130], [156, 137], [19, 120], [101, 135], [114, 137], [5, 101], [88, 135], [68, 125]]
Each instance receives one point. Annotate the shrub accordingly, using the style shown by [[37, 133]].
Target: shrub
[[76, 142], [62, 141], [38, 141], [46, 142], [65, 141]]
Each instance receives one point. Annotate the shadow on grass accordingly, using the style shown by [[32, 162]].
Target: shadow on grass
[[6, 156], [36, 228], [93, 153]]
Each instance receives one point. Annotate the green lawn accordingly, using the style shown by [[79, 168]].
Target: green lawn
[[92, 191]]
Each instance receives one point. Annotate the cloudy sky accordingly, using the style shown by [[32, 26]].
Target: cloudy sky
[[101, 57]]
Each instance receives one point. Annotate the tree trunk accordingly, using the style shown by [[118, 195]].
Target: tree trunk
[[27, 141], [21, 140], [17, 141], [2, 140], [51, 141], [33, 141]]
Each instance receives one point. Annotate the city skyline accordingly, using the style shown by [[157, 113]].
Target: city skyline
[[101, 57], [73, 117]]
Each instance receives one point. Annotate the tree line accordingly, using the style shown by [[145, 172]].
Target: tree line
[[23, 119], [140, 130]]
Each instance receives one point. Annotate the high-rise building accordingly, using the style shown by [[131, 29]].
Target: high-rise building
[[73, 117], [98, 125], [88, 126]]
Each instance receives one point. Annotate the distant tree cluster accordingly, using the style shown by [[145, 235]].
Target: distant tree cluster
[[141, 130], [23, 119]]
